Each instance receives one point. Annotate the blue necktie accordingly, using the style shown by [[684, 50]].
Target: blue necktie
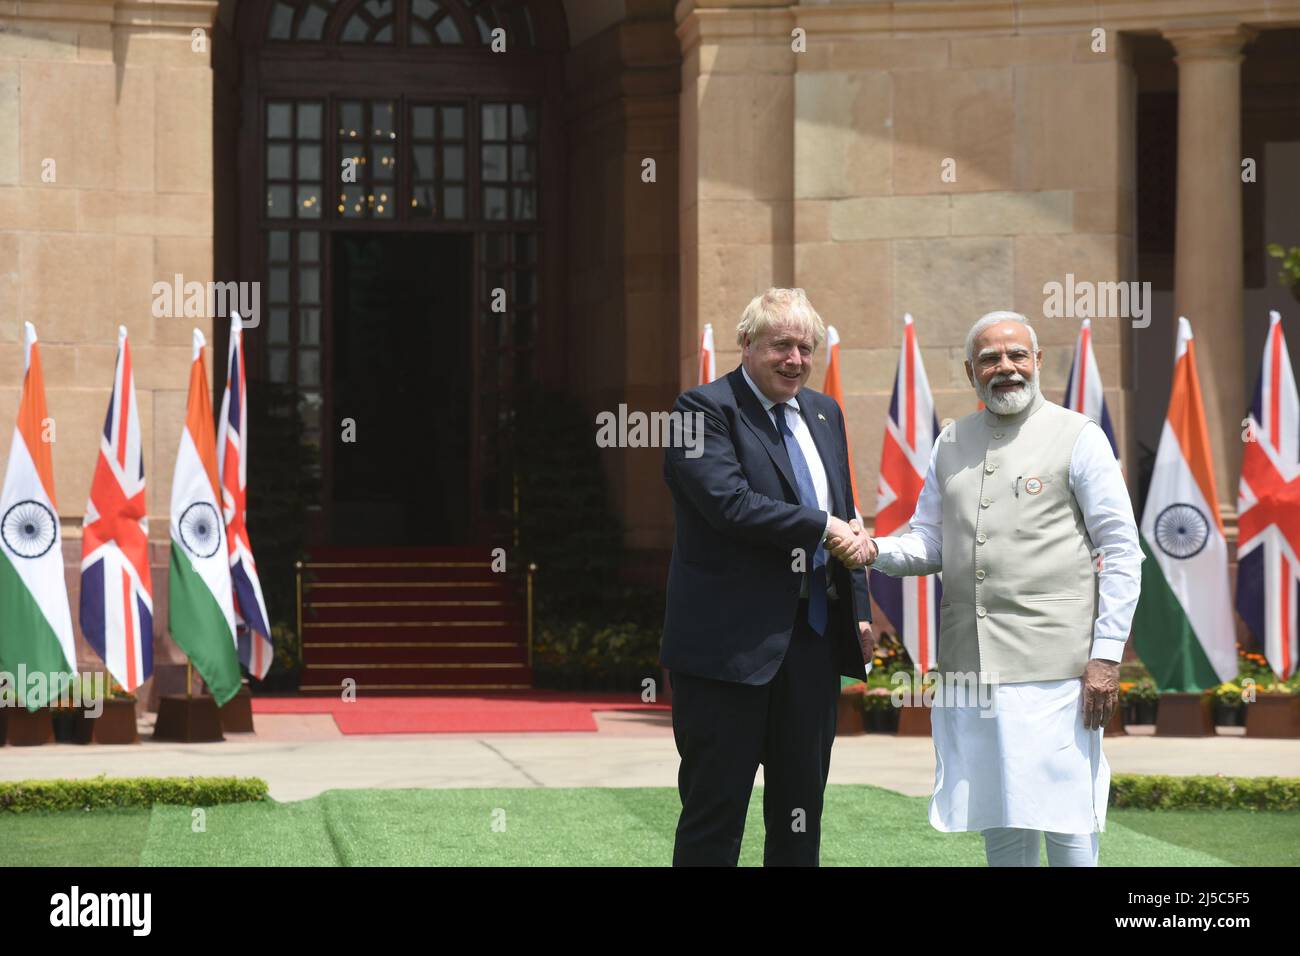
[[807, 498]]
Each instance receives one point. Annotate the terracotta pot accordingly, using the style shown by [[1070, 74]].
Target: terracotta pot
[[1273, 715], [116, 725], [849, 721]]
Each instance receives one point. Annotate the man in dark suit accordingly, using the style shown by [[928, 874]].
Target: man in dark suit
[[767, 599]]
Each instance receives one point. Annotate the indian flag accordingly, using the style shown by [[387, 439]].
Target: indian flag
[[1183, 627], [35, 620], [201, 612]]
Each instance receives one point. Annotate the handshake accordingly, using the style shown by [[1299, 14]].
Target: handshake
[[850, 543]]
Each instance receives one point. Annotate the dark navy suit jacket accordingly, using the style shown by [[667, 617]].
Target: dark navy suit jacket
[[732, 593]]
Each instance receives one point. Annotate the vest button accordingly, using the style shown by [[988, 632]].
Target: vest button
[[990, 468], [985, 502], [979, 575], [980, 612], [998, 434], [981, 538]]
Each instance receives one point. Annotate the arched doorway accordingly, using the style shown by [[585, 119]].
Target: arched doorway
[[395, 185]]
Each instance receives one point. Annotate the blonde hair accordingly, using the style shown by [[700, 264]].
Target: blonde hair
[[780, 307]]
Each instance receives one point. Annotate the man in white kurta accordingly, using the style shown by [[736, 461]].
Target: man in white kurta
[[1025, 511]]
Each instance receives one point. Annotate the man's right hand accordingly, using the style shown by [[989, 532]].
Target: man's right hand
[[850, 543]]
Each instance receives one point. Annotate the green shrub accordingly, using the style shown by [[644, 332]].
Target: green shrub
[[104, 792], [1155, 792]]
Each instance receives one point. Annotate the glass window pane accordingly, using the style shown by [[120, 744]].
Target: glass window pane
[[419, 35], [422, 122], [309, 284], [278, 120], [278, 161], [453, 163], [309, 162], [350, 125], [525, 248], [422, 158], [309, 202], [277, 201], [494, 121], [422, 201], [379, 9], [277, 330], [308, 246], [448, 32], [523, 121], [278, 365], [525, 288], [453, 122], [424, 9], [453, 202], [525, 203], [525, 325], [494, 164], [383, 118], [308, 367], [494, 279], [281, 21], [523, 163], [496, 247], [383, 206], [385, 34], [484, 29], [383, 164], [277, 245], [312, 24], [309, 121], [355, 30], [309, 326], [279, 290]]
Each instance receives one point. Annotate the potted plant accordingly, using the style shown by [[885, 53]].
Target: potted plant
[[1275, 711], [116, 720], [880, 714], [1140, 701], [1290, 274], [1228, 705], [286, 663]]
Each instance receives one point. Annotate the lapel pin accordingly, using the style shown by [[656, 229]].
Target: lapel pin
[[821, 416]]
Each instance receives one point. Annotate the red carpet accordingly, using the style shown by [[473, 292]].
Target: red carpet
[[553, 711]]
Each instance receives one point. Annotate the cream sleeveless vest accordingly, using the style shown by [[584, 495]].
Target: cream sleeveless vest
[[1019, 589]]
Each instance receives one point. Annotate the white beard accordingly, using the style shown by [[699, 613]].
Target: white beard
[[1000, 403]]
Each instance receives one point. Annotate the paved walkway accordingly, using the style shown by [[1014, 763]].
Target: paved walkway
[[302, 755]]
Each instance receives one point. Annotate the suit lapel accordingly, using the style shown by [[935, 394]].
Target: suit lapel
[[820, 427], [760, 423]]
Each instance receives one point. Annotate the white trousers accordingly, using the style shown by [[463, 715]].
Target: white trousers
[[1009, 846]]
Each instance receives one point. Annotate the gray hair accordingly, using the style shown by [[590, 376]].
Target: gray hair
[[993, 318], [779, 306]]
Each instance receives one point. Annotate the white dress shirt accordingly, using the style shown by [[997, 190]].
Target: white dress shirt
[[1098, 486], [806, 444]]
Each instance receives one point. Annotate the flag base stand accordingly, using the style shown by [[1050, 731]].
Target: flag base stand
[[25, 728], [237, 715], [1185, 715], [914, 721], [188, 720], [116, 725], [1273, 715]]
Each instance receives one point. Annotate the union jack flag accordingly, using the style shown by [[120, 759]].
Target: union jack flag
[[1268, 508], [116, 589], [911, 603], [1083, 391], [254, 636]]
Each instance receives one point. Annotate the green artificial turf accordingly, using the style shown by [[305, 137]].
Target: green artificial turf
[[862, 826]]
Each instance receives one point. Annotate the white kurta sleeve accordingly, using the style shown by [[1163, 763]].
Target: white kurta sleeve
[[920, 549], [1098, 486]]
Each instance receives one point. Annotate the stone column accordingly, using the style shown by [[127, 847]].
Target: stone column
[[1208, 243]]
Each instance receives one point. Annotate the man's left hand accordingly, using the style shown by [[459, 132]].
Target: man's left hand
[[867, 638], [1100, 692]]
